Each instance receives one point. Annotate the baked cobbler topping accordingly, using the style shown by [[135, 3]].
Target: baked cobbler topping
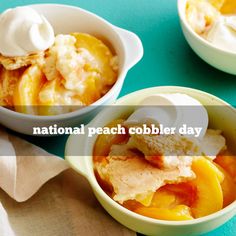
[[165, 176]]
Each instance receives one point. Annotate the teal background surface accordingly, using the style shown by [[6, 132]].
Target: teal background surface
[[168, 60]]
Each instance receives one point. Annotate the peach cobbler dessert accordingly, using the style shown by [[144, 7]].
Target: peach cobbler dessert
[[166, 177], [214, 20], [73, 70]]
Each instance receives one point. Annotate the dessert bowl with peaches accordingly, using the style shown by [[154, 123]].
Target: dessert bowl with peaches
[[162, 184], [60, 71], [209, 27]]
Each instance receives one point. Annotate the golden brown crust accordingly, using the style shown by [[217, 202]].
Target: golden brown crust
[[13, 63], [8, 81], [160, 145], [165, 151], [134, 177]]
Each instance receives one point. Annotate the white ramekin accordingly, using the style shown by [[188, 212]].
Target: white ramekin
[[218, 58], [79, 151], [67, 19]]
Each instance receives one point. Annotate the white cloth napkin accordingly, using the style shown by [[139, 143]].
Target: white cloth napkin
[[21, 176], [65, 205]]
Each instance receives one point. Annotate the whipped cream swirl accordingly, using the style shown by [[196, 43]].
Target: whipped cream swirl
[[24, 31], [170, 110]]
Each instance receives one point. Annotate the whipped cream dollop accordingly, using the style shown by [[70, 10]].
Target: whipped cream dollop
[[170, 110], [223, 33], [24, 31]]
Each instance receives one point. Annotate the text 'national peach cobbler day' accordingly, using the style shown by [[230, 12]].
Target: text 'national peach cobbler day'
[[119, 129]]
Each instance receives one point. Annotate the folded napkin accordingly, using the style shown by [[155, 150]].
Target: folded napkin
[[24, 167], [65, 205]]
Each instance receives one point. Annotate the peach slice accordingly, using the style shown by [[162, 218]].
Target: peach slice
[[145, 199], [185, 193], [164, 206], [180, 212], [209, 191], [228, 163], [103, 57], [229, 7], [163, 199], [105, 141], [228, 187], [27, 90], [91, 93]]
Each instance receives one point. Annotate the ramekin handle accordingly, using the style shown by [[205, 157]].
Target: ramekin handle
[[133, 47], [73, 144]]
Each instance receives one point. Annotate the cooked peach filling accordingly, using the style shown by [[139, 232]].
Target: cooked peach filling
[[201, 14], [76, 71], [135, 171]]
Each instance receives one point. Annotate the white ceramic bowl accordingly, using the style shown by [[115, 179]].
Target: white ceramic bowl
[[221, 116], [67, 19], [218, 58]]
